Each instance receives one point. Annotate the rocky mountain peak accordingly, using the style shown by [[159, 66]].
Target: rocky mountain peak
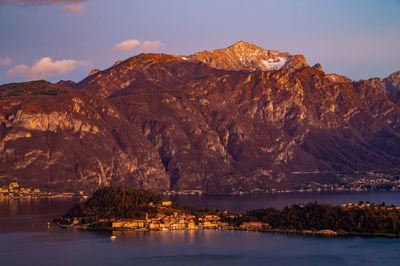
[[244, 56], [390, 84], [393, 82], [317, 67], [245, 48]]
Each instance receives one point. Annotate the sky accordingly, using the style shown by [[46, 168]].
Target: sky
[[65, 39]]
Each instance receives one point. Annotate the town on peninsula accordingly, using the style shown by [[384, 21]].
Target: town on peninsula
[[126, 208]]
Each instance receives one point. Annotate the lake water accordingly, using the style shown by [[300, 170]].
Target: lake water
[[25, 238]]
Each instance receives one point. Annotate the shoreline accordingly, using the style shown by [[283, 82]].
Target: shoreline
[[41, 197], [197, 193], [320, 233], [174, 193]]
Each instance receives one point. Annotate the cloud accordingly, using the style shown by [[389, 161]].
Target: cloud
[[126, 45], [38, 2], [129, 45], [74, 8], [46, 67], [5, 62], [150, 45]]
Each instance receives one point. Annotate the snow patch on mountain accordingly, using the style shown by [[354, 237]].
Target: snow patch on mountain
[[273, 63]]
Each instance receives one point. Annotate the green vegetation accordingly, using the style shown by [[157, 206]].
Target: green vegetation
[[116, 202], [362, 218]]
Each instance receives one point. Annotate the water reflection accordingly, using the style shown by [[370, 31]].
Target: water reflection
[[30, 215], [166, 237]]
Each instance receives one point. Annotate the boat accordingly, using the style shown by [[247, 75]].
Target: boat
[[113, 237]]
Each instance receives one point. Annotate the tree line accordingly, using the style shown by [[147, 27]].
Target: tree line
[[315, 216]]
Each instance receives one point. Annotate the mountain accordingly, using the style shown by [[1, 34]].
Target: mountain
[[221, 121], [167, 70], [244, 56], [57, 137]]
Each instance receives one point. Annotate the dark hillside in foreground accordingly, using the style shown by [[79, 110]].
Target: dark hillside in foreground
[[116, 202]]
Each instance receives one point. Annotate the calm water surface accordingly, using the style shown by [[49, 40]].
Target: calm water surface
[[25, 238]]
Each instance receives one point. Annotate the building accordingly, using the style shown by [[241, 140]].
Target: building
[[129, 223], [254, 225], [208, 224], [13, 185], [192, 226], [166, 203], [154, 226]]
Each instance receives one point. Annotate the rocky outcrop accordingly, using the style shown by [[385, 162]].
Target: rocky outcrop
[[388, 85], [392, 82], [94, 71], [337, 78], [317, 66]]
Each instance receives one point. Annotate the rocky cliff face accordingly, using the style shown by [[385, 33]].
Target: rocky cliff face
[[263, 130], [215, 121], [388, 85], [55, 136]]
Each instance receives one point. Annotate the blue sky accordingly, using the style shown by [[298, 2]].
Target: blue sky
[[66, 39]]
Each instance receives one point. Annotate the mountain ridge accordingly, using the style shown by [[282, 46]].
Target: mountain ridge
[[183, 125], [244, 56]]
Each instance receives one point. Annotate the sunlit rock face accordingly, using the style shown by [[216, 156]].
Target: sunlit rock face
[[219, 121], [55, 136], [244, 56], [390, 84]]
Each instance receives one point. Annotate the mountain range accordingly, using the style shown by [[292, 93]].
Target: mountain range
[[238, 119]]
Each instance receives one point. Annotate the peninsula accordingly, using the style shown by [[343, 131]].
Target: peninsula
[[126, 208]]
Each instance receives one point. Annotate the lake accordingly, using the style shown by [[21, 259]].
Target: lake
[[25, 238]]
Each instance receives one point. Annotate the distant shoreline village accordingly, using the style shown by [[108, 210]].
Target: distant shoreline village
[[14, 191]]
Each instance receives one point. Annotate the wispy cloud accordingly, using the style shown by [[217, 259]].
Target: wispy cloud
[[150, 45], [5, 61], [129, 45], [126, 45], [74, 8], [38, 2], [46, 67]]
